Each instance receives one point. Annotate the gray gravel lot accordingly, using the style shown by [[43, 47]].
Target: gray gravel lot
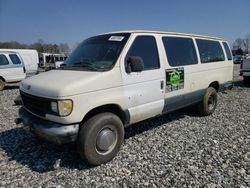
[[180, 149]]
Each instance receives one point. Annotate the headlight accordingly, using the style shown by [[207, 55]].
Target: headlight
[[62, 108]]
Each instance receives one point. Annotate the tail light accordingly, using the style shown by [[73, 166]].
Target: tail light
[[24, 70], [241, 64]]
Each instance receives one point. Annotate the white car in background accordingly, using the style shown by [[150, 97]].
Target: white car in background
[[245, 70], [30, 59], [11, 68]]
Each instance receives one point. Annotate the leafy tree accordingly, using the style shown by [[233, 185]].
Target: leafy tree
[[239, 51], [40, 46], [243, 44], [64, 48]]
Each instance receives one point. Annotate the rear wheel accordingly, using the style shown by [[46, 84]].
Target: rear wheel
[[2, 84], [100, 138], [209, 102]]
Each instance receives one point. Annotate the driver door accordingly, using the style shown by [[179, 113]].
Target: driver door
[[144, 91]]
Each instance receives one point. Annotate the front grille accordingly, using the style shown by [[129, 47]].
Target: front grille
[[37, 105]]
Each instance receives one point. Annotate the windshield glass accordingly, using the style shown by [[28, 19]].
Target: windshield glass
[[97, 53]]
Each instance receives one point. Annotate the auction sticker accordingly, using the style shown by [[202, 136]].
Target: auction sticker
[[116, 38], [174, 79]]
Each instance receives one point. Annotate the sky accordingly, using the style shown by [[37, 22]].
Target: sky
[[72, 21]]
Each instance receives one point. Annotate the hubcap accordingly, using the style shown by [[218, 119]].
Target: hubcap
[[106, 140]]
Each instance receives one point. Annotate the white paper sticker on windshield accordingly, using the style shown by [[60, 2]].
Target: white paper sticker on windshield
[[116, 38]]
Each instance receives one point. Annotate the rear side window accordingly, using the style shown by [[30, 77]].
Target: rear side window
[[3, 60], [15, 59], [228, 52], [210, 51], [180, 51], [146, 48]]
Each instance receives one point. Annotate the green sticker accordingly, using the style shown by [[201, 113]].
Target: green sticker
[[174, 79]]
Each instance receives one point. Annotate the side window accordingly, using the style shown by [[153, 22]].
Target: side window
[[210, 51], [180, 51], [146, 48], [3, 60], [228, 51], [15, 59]]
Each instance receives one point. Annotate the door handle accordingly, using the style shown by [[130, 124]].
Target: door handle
[[162, 85]]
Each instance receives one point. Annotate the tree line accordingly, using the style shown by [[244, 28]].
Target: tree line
[[241, 46], [40, 46]]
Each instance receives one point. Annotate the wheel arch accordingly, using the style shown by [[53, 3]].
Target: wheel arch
[[2, 78], [215, 85], [113, 108]]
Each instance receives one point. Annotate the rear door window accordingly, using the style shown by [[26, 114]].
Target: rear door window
[[180, 51], [15, 59], [228, 51], [3, 60], [210, 51]]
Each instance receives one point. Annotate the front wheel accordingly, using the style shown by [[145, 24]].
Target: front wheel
[[100, 138], [209, 102]]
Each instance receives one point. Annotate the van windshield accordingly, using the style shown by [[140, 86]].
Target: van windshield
[[98, 53]]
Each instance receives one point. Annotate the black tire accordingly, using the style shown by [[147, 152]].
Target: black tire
[[99, 132], [209, 102], [246, 80], [2, 84]]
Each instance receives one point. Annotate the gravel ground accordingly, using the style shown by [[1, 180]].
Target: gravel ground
[[180, 149]]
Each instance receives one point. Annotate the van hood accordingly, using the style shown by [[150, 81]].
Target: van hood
[[64, 83]]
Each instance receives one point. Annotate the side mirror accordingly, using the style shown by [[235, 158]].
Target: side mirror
[[134, 64]]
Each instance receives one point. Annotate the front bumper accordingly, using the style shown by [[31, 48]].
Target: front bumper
[[244, 72], [50, 131]]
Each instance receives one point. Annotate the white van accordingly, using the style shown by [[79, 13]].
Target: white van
[[29, 57], [117, 79], [11, 68], [51, 61]]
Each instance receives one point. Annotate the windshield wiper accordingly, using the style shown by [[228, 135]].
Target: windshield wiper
[[85, 65]]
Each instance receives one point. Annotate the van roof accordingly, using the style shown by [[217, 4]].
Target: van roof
[[17, 50], [8, 52], [168, 33]]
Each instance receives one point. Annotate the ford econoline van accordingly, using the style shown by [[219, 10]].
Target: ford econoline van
[[116, 79], [11, 68]]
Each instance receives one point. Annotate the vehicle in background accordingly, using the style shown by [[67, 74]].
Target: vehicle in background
[[29, 58], [11, 68], [237, 59], [111, 81], [245, 70], [50, 61]]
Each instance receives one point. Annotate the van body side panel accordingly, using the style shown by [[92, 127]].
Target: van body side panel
[[221, 72], [197, 78], [181, 101], [184, 95]]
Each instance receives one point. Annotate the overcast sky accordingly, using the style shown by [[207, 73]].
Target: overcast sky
[[71, 21]]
